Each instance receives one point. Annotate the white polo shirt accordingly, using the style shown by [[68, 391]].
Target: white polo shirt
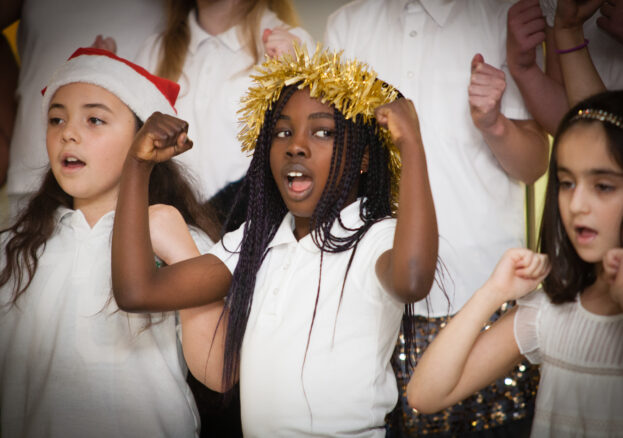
[[606, 52], [214, 79], [49, 32], [347, 385], [73, 365], [425, 48]]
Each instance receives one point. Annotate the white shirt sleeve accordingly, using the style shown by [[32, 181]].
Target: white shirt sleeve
[[526, 325]]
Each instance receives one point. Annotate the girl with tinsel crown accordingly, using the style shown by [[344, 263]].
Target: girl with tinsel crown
[[71, 363], [317, 277], [573, 327]]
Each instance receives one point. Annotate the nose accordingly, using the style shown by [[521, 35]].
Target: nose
[[579, 200], [298, 147], [70, 132]]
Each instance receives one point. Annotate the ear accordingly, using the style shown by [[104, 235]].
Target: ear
[[365, 161]]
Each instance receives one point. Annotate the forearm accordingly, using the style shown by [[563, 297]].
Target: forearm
[[439, 379], [520, 146], [8, 105], [408, 269], [545, 98], [132, 254], [580, 76]]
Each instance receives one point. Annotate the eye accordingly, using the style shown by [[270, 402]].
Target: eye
[[95, 121], [55, 121], [604, 187], [323, 133], [282, 133], [565, 184]]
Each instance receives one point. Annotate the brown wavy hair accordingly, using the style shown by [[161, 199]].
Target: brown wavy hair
[[248, 13], [27, 237]]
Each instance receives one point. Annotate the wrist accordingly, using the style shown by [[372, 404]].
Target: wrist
[[497, 129], [568, 37]]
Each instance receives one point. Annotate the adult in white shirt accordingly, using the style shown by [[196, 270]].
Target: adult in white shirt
[[224, 42], [50, 31], [481, 146]]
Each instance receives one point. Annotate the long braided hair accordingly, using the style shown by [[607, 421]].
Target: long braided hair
[[266, 210]]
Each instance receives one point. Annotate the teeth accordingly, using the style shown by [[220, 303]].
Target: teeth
[[72, 160], [294, 174]]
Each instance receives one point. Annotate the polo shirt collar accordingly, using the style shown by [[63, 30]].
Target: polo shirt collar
[[285, 232], [76, 220], [439, 10], [229, 38]]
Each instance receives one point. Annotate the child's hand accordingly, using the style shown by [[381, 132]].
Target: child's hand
[[401, 119], [611, 19], [571, 14], [613, 268], [486, 87], [518, 272], [170, 238], [526, 30], [278, 41], [108, 43], [161, 137]]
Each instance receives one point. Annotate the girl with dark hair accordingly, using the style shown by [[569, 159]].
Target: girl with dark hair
[[316, 278], [73, 364], [573, 327]]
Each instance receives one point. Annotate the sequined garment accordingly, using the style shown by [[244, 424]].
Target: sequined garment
[[508, 399]]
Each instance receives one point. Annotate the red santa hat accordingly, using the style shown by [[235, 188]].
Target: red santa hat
[[141, 91]]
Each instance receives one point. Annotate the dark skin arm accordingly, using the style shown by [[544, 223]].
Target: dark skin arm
[[137, 285], [408, 269]]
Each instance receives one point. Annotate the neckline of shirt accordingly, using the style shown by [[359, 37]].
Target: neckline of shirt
[[439, 10], [198, 35]]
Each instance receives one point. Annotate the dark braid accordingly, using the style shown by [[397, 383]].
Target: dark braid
[[266, 211]]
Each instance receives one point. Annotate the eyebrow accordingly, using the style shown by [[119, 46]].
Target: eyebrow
[[596, 172], [86, 105], [321, 115]]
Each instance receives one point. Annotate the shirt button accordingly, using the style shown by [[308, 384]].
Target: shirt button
[[410, 74], [412, 34]]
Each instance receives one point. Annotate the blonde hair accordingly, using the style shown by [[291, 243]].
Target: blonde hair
[[248, 14]]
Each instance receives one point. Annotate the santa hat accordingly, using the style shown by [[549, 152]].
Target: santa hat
[[141, 91]]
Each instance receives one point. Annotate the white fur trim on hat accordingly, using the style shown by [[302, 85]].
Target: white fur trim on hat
[[133, 88]]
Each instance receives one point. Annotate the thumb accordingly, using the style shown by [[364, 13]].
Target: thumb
[[265, 35], [476, 60]]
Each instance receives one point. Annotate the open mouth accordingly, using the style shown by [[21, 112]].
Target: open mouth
[[73, 163], [585, 234], [298, 182]]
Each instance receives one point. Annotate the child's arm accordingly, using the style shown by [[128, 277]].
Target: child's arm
[[137, 284], [613, 268], [580, 76], [203, 344], [408, 269], [462, 359]]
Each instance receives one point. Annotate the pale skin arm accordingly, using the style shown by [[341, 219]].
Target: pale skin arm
[[203, 342], [580, 76], [278, 41], [613, 268], [520, 146], [407, 270], [462, 359], [542, 93], [138, 286]]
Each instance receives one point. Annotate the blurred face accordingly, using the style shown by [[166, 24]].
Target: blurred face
[[89, 133], [590, 194], [300, 155]]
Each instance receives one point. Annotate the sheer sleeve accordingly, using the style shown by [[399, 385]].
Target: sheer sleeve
[[526, 325]]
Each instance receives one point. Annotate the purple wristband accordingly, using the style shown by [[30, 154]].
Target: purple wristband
[[573, 49]]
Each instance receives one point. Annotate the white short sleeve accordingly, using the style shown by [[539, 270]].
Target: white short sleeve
[[228, 248], [526, 325]]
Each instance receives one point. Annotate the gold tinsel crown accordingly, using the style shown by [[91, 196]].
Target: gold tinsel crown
[[350, 86]]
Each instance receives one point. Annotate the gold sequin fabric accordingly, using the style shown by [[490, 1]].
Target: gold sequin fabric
[[509, 399]]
